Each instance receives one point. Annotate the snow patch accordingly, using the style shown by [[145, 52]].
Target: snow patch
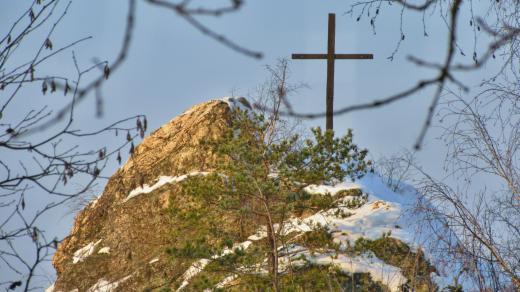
[[332, 190], [84, 252], [383, 214], [163, 180], [193, 270], [94, 202], [199, 265], [104, 250], [366, 263], [372, 220], [243, 246], [105, 286], [258, 235], [226, 281]]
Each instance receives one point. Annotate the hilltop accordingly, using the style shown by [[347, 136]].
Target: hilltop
[[368, 240]]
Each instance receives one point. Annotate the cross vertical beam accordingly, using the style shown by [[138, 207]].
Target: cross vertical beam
[[330, 70], [331, 56]]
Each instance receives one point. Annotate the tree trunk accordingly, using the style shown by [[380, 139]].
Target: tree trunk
[[273, 255]]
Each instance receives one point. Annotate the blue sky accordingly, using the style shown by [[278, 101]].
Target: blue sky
[[171, 67]]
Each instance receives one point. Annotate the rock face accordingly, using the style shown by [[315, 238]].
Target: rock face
[[118, 243]]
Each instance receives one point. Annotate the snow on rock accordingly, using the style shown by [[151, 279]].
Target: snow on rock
[[226, 281], [105, 286], [104, 250], [371, 221], [193, 270], [258, 235], [366, 263], [163, 180], [243, 246], [199, 265], [382, 214], [332, 190], [94, 202], [84, 252], [374, 185], [385, 212]]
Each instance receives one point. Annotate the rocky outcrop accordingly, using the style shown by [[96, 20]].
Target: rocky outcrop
[[120, 243]]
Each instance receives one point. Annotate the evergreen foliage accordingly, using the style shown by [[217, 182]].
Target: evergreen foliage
[[413, 264], [257, 183]]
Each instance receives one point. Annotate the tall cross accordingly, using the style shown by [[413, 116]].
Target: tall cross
[[331, 56]]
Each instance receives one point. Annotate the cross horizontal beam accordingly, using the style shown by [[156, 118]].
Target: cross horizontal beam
[[336, 56], [331, 57]]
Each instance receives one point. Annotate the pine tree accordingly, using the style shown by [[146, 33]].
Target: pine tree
[[258, 183]]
